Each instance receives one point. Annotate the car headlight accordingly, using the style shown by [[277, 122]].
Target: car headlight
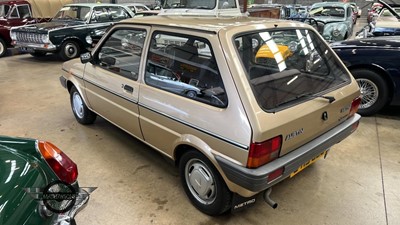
[[89, 39], [44, 38], [335, 32], [13, 35]]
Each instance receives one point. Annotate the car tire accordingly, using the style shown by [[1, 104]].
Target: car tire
[[81, 112], [374, 91], [3, 48], [191, 94], [215, 197], [38, 54], [69, 50]]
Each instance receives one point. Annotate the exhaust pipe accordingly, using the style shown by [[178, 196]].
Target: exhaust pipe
[[268, 200]]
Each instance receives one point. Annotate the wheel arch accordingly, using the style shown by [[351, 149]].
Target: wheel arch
[[189, 142], [382, 72], [70, 84], [75, 39]]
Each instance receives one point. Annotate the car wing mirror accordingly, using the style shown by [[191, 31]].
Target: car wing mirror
[[86, 57]]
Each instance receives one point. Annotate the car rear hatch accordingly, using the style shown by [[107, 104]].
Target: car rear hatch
[[300, 88]]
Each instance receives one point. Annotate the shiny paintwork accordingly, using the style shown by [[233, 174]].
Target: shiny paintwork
[[379, 54], [60, 31], [168, 122], [7, 22], [22, 166]]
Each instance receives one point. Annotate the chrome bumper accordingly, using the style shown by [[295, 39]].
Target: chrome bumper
[[27, 47], [68, 218]]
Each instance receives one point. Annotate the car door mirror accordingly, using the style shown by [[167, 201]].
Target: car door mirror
[[86, 57]]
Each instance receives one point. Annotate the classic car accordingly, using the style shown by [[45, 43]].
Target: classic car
[[336, 17], [137, 7], [29, 165], [261, 118], [22, 12], [385, 23], [68, 33], [374, 63]]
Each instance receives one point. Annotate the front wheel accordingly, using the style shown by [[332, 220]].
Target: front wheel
[[81, 112], [69, 50], [374, 91], [3, 48], [203, 184]]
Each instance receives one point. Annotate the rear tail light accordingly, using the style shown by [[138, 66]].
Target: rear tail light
[[354, 106], [60, 163], [264, 152]]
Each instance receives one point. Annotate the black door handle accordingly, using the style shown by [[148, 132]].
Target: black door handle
[[128, 88]]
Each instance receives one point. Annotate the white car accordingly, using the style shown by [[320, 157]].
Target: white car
[[137, 7]]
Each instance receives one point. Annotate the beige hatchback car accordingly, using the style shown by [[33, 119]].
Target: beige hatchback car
[[238, 103]]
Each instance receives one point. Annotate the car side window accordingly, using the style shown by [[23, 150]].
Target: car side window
[[121, 52], [24, 11], [105, 14], [14, 13], [185, 65]]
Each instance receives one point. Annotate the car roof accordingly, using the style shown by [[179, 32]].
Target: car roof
[[212, 24], [91, 4], [337, 4]]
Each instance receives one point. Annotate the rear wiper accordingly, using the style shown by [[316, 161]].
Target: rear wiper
[[330, 98]]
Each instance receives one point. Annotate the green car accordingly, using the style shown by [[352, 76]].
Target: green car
[[38, 184], [335, 20]]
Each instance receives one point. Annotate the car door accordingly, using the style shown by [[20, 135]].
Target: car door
[[111, 80]]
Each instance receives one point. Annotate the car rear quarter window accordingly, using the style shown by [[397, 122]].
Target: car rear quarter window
[[287, 67], [121, 52], [185, 65]]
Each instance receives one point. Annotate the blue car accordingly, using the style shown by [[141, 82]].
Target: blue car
[[374, 64]]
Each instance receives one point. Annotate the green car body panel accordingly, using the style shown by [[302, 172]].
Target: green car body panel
[[22, 166]]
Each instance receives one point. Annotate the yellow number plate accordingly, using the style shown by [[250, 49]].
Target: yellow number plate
[[302, 167]]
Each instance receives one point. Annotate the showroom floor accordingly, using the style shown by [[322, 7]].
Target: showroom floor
[[358, 183]]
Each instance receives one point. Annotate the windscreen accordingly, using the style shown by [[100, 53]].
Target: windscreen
[[4, 10], [328, 11], [286, 67]]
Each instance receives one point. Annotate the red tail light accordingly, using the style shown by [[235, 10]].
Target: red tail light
[[264, 152], [354, 106], [60, 163]]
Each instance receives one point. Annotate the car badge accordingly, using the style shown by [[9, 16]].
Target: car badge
[[325, 116]]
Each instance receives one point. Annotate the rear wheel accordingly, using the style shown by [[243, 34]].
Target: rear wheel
[[203, 184], [69, 50], [3, 48], [81, 112], [374, 91]]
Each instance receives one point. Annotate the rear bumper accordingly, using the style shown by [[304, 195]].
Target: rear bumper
[[256, 180]]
